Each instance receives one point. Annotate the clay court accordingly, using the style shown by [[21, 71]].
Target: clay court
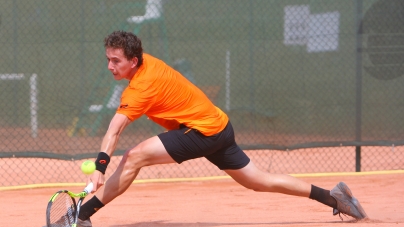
[[220, 202], [196, 193]]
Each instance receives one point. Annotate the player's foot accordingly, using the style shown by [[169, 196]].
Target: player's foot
[[346, 202], [65, 220], [85, 223]]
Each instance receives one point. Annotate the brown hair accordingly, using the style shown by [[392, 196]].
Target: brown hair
[[128, 42]]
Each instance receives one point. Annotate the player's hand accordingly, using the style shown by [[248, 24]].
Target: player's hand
[[98, 180]]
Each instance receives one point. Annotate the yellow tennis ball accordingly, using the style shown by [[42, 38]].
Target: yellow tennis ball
[[88, 167]]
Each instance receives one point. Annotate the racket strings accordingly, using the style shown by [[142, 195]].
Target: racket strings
[[62, 211]]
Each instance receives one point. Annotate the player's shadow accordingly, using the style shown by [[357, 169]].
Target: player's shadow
[[212, 224]]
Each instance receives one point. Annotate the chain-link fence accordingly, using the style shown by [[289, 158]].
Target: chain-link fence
[[309, 85]]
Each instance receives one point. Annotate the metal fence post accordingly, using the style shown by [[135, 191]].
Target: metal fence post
[[358, 84]]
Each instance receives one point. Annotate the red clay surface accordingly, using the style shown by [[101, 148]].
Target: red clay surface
[[220, 203], [215, 203]]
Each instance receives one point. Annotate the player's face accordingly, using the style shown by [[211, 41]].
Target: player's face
[[119, 66]]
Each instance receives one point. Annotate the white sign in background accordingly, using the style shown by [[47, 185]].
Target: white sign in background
[[319, 32]]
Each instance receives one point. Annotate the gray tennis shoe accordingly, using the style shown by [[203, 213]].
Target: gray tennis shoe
[[346, 202]]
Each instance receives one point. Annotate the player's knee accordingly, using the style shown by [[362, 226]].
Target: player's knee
[[263, 186], [136, 157], [255, 188], [252, 186], [259, 184]]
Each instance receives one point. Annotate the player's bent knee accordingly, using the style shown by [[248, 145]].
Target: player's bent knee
[[136, 157]]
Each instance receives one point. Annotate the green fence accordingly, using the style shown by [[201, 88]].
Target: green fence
[[299, 79]]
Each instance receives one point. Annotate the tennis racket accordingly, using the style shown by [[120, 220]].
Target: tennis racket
[[63, 210]]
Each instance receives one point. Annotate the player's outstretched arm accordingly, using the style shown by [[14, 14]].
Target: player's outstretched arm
[[108, 146], [116, 127]]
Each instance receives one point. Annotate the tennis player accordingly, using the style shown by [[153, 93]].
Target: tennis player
[[196, 128]]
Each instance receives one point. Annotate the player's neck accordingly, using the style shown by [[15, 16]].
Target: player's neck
[[132, 73]]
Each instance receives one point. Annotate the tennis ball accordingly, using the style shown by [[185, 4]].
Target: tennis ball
[[88, 167]]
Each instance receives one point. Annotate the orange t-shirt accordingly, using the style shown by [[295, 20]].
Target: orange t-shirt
[[169, 99]]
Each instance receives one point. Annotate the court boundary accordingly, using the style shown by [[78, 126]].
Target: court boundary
[[192, 179]]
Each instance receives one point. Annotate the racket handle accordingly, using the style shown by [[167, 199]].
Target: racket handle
[[89, 188]]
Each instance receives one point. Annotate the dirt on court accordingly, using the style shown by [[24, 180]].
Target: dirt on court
[[220, 203]]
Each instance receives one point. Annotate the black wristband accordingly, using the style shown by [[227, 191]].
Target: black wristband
[[102, 162]]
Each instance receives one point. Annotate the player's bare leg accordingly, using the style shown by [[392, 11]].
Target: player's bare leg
[[253, 178], [340, 197], [149, 152]]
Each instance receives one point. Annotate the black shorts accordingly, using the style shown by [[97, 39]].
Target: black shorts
[[220, 149]]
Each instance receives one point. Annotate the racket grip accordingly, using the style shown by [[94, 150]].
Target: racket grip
[[89, 188]]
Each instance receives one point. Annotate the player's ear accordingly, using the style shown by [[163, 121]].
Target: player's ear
[[134, 62]]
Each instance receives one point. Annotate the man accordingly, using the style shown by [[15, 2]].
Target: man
[[196, 128]]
